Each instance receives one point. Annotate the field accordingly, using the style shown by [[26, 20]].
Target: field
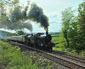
[[55, 39], [60, 46]]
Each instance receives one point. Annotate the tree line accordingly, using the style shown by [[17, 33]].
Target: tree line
[[73, 29]]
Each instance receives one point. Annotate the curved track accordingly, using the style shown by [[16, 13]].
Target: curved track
[[69, 61], [82, 60]]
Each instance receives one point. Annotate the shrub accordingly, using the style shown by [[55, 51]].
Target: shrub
[[11, 57]]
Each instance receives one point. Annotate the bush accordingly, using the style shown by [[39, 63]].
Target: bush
[[82, 53], [11, 57]]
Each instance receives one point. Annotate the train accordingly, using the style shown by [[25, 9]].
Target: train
[[38, 40]]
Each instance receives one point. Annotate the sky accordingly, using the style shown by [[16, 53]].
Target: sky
[[53, 9]]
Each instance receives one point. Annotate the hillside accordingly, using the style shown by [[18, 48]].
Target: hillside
[[11, 57]]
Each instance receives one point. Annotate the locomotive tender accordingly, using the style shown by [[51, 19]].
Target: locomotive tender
[[38, 40]]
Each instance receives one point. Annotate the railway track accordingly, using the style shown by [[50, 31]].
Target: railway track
[[68, 61], [82, 60]]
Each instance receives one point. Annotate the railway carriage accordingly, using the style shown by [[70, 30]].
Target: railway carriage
[[16, 38]]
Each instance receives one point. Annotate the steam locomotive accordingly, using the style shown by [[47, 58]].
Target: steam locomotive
[[38, 40]]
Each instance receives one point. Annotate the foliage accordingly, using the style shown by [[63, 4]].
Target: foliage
[[67, 15], [82, 53], [11, 57], [20, 32], [60, 40], [76, 32], [73, 29], [81, 26], [72, 37]]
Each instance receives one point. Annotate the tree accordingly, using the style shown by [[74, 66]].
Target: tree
[[20, 32], [2, 14], [81, 27], [67, 15], [3, 5], [74, 28], [73, 33]]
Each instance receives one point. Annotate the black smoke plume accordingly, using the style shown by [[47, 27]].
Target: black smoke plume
[[30, 12], [36, 14]]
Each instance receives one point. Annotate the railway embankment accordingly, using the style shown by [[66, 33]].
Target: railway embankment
[[37, 57], [68, 62], [12, 57]]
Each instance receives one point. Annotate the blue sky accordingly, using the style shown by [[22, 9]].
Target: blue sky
[[53, 9]]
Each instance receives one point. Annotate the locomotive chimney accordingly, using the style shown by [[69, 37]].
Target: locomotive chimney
[[46, 31]]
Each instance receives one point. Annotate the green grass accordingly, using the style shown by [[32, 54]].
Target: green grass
[[55, 39], [61, 46]]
